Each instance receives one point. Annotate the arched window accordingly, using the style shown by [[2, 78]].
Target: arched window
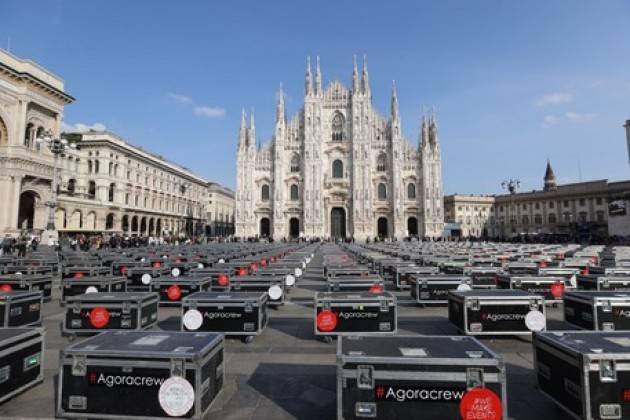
[[411, 191], [337, 169], [92, 190], [382, 191], [381, 163], [295, 163], [110, 171], [109, 221], [264, 193], [89, 166], [112, 189], [294, 192], [28, 134], [96, 166], [337, 127], [552, 218], [71, 186], [538, 219], [38, 134]]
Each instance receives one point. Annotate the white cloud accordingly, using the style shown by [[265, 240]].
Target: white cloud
[[576, 117], [550, 120], [210, 111], [555, 98], [179, 99], [81, 128]]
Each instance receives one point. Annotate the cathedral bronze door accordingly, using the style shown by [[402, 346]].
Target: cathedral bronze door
[[338, 223], [412, 226], [294, 227], [382, 227], [265, 227]]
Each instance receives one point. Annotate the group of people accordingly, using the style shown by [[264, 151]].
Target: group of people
[[11, 245]]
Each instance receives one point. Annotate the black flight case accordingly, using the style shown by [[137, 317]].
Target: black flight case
[[417, 377], [21, 360], [274, 286], [173, 289], [92, 313], [359, 313], [354, 284], [232, 313], [496, 312], [140, 374], [599, 282], [586, 373], [24, 282], [550, 287], [20, 309], [79, 286], [598, 310], [434, 289]]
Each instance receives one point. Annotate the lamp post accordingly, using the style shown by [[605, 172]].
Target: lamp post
[[56, 147], [512, 186]]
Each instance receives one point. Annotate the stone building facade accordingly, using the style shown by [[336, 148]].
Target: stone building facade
[[106, 185], [339, 169], [471, 213], [220, 211]]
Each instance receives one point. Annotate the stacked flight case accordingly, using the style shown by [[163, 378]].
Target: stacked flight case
[[31, 283], [496, 312], [20, 309], [141, 374], [415, 377], [21, 360], [233, 313], [586, 373], [598, 310], [434, 289], [99, 284], [362, 313], [92, 313], [172, 290]]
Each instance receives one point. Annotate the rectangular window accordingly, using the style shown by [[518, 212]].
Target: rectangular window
[[598, 201], [566, 203], [551, 204], [582, 201]]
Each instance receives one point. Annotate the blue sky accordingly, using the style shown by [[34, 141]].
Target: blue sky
[[513, 82]]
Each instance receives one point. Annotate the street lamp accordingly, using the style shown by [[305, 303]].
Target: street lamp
[[56, 147], [512, 186]]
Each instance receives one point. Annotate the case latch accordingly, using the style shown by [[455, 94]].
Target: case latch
[[126, 308], [607, 371], [533, 305], [474, 378], [365, 377], [606, 306], [79, 366], [517, 283], [384, 304], [365, 409], [474, 304], [177, 367], [249, 307], [326, 304]]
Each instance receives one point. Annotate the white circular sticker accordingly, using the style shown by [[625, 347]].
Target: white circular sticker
[[199, 265], [303, 264], [176, 396], [143, 259], [464, 287], [19, 273], [146, 278], [176, 272], [290, 280], [164, 257], [535, 321], [298, 272], [192, 319], [275, 292], [308, 260], [91, 289], [221, 261]]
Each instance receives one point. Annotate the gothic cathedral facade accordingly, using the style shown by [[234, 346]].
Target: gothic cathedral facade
[[338, 169]]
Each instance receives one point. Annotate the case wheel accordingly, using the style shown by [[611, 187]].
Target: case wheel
[[327, 339], [248, 339]]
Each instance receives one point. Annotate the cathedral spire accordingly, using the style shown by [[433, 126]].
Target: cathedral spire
[[252, 129], [433, 128], [364, 77], [355, 76], [308, 88], [395, 113], [424, 132], [242, 132], [318, 79], [280, 116], [550, 178]]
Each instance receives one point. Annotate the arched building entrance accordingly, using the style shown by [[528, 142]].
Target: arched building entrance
[[265, 227], [338, 223], [26, 214], [381, 227], [294, 227], [412, 226]]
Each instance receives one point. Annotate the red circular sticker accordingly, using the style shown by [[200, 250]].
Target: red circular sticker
[[326, 320], [542, 264], [124, 270], [557, 290], [6, 288], [99, 317], [364, 274], [242, 271], [263, 262], [585, 271], [178, 260], [253, 267], [480, 404], [223, 280], [78, 275], [376, 288], [174, 292], [157, 264]]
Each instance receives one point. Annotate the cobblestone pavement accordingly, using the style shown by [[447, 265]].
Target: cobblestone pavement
[[287, 372]]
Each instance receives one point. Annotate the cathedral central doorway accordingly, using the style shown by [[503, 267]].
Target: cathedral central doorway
[[294, 227], [338, 223], [265, 227], [26, 214], [412, 226], [381, 227]]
